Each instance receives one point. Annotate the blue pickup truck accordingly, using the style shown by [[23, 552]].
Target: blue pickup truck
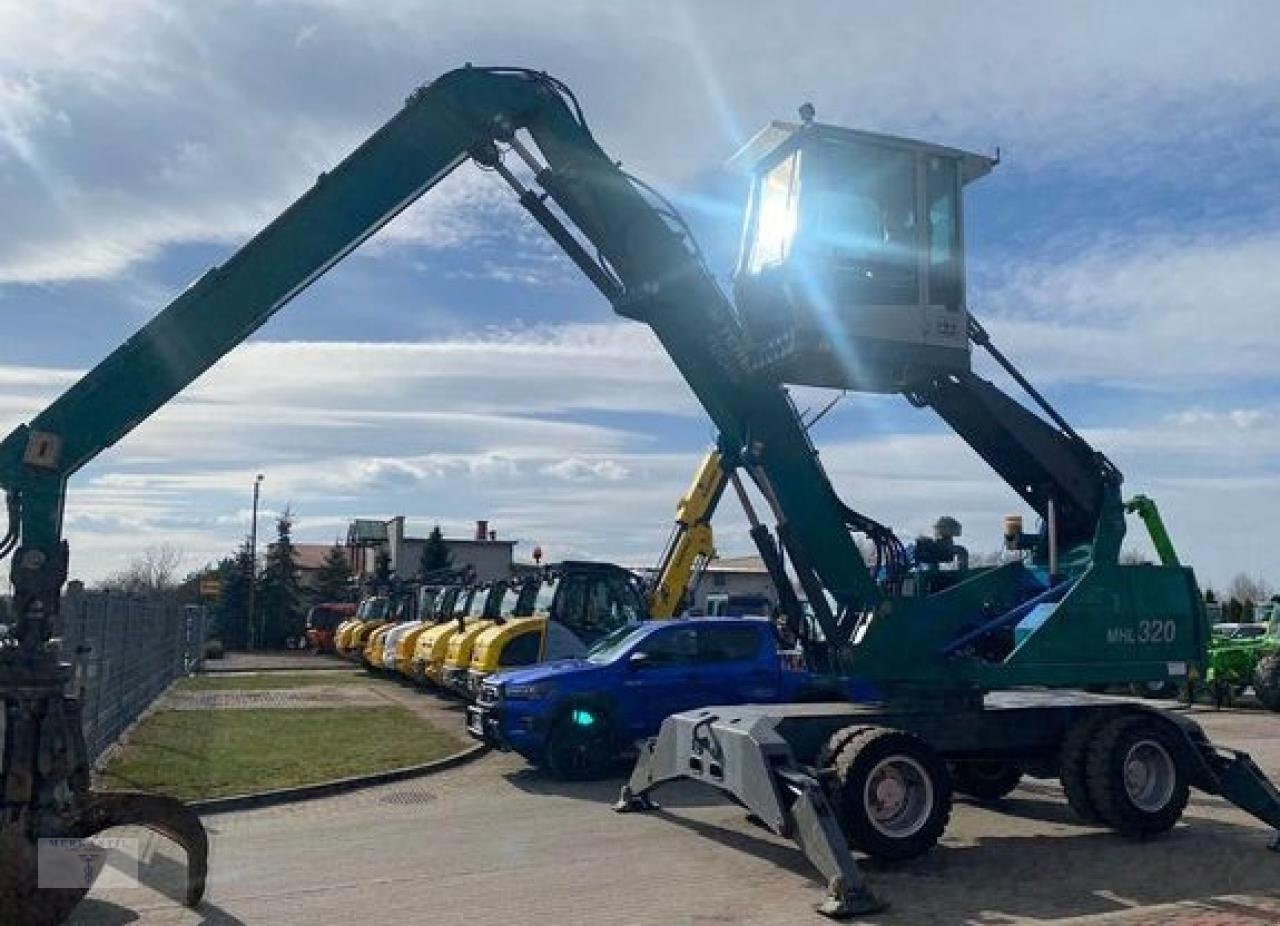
[[576, 718]]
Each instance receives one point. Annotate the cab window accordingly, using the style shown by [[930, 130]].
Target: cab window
[[612, 602], [571, 602], [777, 210], [511, 598], [942, 198], [523, 603], [447, 601], [522, 651], [728, 644], [674, 646], [546, 596], [497, 595], [463, 605]]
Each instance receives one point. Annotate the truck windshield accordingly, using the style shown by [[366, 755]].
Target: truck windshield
[[427, 603], [516, 601], [546, 595], [615, 644]]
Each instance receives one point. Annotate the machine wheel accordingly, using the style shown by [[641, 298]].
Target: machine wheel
[[1266, 682], [837, 742], [1073, 768], [985, 781], [1158, 691], [580, 753], [1137, 776], [893, 793]]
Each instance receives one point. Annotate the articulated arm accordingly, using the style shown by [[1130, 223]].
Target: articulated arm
[[649, 268], [1047, 464], [1036, 460], [692, 543]]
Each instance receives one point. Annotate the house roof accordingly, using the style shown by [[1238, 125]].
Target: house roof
[[465, 541], [311, 555]]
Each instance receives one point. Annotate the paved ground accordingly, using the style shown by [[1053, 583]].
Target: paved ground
[[493, 842], [284, 660]]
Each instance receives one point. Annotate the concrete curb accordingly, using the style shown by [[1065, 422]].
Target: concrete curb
[[337, 786]]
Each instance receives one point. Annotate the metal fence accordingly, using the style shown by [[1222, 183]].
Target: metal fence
[[126, 649]]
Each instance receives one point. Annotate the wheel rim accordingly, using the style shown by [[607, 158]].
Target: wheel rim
[[1149, 776], [581, 753], [898, 797]]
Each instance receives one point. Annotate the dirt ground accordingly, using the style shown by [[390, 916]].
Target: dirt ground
[[495, 842]]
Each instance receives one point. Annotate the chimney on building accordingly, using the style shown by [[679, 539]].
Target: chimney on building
[[482, 530], [395, 542], [493, 535]]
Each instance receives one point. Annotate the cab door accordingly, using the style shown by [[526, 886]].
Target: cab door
[[663, 676], [738, 662]]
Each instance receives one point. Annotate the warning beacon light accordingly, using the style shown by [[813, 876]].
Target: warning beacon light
[[851, 268]]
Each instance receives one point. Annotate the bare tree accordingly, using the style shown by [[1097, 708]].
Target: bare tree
[[1247, 589], [154, 570]]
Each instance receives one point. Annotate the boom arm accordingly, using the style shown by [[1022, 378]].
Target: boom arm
[[692, 542], [649, 269]]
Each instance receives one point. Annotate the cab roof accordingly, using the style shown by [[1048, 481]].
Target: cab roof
[[777, 135]]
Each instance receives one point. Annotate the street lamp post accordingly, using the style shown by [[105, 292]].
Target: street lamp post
[[255, 640]]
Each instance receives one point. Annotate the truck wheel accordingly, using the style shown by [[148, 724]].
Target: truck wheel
[[1158, 691], [1073, 767], [578, 752], [985, 781], [893, 793], [1266, 682], [837, 742], [1136, 776]]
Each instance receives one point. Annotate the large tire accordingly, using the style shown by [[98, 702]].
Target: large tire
[[1073, 767], [985, 781], [1137, 775], [1266, 682], [892, 793], [580, 753], [836, 743], [1156, 691]]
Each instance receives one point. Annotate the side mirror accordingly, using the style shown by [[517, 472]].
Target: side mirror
[[637, 661]]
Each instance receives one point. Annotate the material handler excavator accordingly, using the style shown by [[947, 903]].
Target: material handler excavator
[[851, 277]]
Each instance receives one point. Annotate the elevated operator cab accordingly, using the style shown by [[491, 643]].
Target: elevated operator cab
[[851, 268]]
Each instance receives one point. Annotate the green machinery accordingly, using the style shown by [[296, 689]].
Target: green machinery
[[1237, 662], [852, 276]]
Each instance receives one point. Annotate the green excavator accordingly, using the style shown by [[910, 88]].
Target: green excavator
[[851, 277]]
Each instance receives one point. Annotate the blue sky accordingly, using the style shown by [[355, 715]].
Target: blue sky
[[456, 367]]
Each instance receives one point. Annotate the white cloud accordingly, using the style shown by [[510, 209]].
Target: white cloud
[[576, 469], [1157, 310], [136, 125], [129, 127]]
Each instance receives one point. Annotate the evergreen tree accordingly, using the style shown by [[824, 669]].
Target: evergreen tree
[[279, 599], [231, 613], [435, 554], [333, 580]]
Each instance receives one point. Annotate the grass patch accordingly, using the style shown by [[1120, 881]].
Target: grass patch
[[266, 681], [203, 754]]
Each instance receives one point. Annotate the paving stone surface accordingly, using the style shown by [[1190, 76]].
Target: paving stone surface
[[494, 842]]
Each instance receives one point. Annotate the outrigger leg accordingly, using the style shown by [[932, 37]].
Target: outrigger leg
[[755, 767]]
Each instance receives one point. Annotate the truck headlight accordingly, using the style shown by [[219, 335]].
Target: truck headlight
[[532, 692]]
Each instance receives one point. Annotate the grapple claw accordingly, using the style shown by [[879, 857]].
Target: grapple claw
[[165, 815]]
